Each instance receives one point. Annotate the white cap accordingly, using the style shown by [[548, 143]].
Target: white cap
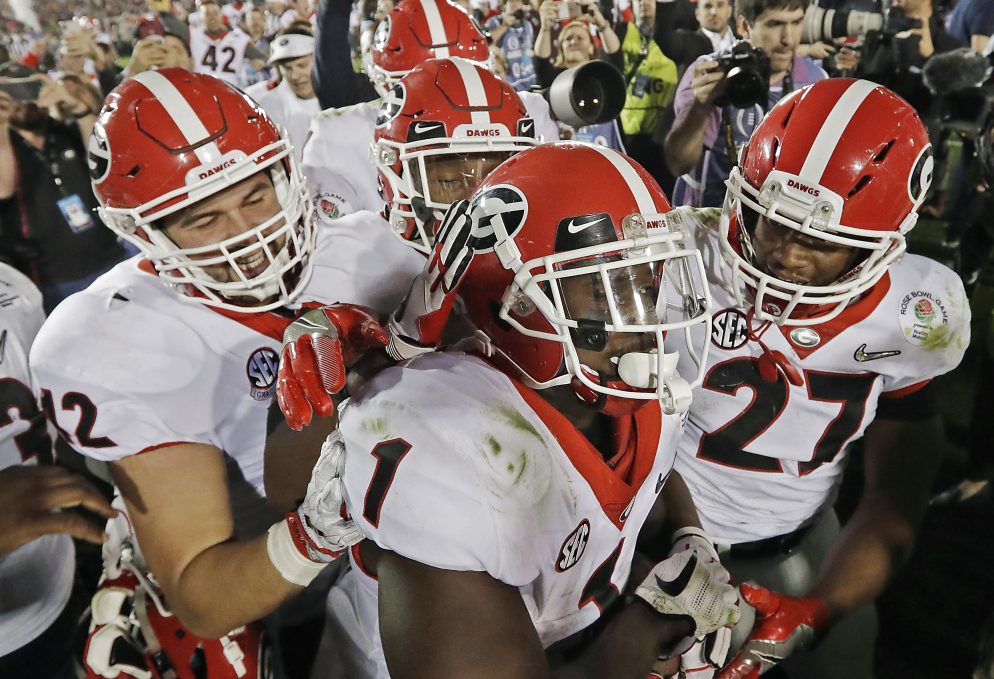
[[290, 46]]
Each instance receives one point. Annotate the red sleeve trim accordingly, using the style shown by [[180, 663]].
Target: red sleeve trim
[[906, 391], [164, 445]]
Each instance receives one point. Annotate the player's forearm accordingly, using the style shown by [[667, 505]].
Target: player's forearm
[[873, 545], [226, 586], [628, 647], [685, 141]]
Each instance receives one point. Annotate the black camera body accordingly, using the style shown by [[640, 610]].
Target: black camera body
[[747, 76]]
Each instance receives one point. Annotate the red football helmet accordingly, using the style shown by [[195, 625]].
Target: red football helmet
[[574, 282], [439, 130], [167, 139], [418, 30], [846, 161], [132, 635]]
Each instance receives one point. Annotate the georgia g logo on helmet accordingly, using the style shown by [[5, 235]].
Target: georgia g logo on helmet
[[505, 203], [921, 176], [98, 154], [392, 104]]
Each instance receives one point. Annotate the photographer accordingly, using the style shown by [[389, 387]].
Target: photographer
[[46, 203], [896, 59], [514, 35], [708, 129]]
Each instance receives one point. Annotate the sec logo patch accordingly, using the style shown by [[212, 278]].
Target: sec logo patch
[[261, 370]]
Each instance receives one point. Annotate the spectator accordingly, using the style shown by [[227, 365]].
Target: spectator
[[254, 24], [574, 44], [157, 51], [291, 103], [702, 145], [972, 23], [37, 557], [651, 79], [45, 195], [683, 45], [514, 35]]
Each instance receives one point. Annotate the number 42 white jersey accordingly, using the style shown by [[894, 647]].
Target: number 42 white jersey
[[220, 56], [452, 464]]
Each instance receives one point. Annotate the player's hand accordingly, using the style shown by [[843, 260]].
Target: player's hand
[[708, 652], [784, 625], [32, 497], [686, 586], [321, 526], [317, 349], [416, 327]]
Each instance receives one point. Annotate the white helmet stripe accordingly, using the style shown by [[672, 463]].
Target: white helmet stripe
[[436, 28], [179, 109], [831, 130], [643, 198], [476, 96]]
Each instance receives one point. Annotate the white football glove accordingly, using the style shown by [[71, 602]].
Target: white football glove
[[704, 654], [686, 586], [323, 517]]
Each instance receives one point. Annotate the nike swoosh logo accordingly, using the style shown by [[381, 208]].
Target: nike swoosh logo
[[526, 127], [679, 583], [862, 355], [659, 483], [573, 227], [628, 510], [420, 128]]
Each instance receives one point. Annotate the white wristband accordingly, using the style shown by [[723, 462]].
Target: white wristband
[[691, 530], [287, 559]]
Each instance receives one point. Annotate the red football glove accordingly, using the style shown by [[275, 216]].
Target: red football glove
[[317, 348], [784, 624]]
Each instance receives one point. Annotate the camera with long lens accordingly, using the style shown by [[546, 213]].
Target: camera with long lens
[[747, 76], [587, 94], [824, 25]]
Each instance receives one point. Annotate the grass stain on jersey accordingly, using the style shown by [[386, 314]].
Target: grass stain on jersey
[[377, 425], [522, 464], [511, 416], [494, 444], [937, 338]]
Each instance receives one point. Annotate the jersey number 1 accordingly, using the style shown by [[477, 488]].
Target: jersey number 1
[[388, 455]]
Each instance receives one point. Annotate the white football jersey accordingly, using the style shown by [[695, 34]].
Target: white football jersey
[[129, 365], [221, 56], [762, 457], [288, 111], [35, 579], [341, 174], [453, 464]]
